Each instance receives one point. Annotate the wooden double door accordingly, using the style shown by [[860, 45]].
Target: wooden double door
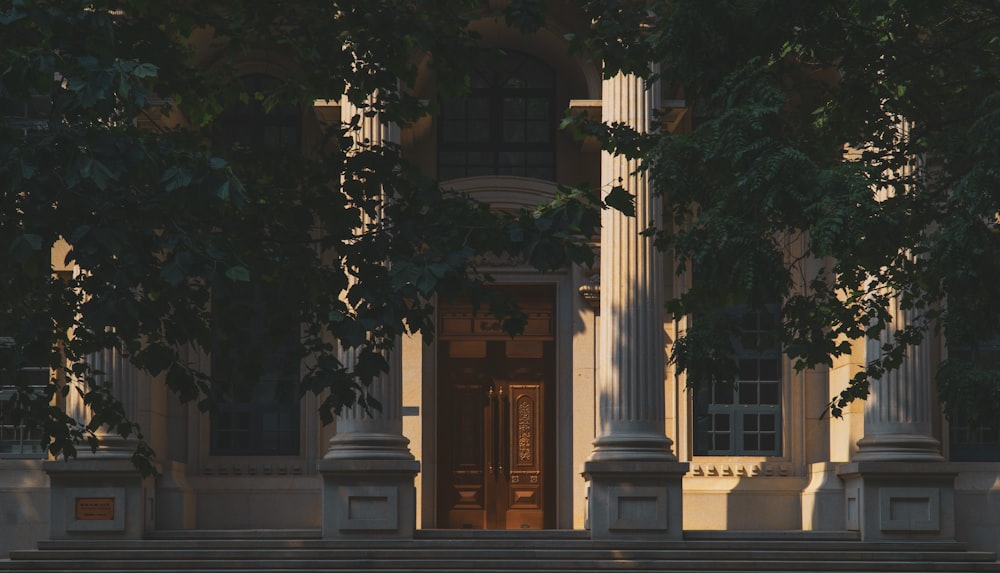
[[494, 423]]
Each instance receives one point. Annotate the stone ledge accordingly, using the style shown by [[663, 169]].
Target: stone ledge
[[368, 466], [638, 468], [898, 469], [93, 465]]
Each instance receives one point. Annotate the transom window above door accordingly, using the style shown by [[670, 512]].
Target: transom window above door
[[505, 125]]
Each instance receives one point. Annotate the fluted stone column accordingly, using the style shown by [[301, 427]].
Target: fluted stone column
[[123, 378], [101, 494], [368, 470], [898, 485], [898, 409], [634, 475], [375, 434]]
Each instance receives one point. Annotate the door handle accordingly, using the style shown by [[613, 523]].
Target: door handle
[[495, 430], [504, 429]]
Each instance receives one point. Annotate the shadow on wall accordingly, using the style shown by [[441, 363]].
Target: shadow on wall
[[977, 505], [24, 505], [742, 496]]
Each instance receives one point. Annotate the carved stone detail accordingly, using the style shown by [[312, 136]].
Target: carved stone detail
[[267, 469], [741, 470]]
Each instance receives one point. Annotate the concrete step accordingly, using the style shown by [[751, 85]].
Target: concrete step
[[498, 555], [501, 552], [845, 566]]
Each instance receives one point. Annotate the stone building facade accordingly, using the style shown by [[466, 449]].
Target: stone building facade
[[579, 424]]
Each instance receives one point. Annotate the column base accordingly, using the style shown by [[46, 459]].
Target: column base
[[635, 500], [899, 448], [900, 500], [369, 498], [99, 498]]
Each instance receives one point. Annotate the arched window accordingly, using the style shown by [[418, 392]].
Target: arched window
[[505, 125], [259, 125]]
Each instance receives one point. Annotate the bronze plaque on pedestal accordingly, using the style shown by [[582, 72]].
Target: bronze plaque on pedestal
[[95, 508]]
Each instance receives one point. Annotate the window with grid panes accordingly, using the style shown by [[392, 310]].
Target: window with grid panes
[[253, 417], [505, 125], [966, 442], [19, 437], [744, 418]]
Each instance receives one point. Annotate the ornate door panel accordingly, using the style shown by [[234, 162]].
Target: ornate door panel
[[493, 423], [522, 451]]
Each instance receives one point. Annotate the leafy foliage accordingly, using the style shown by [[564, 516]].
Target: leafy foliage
[[843, 158], [132, 154]]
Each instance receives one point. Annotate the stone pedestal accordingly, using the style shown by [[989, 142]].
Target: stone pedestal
[[99, 498], [635, 500], [369, 498], [900, 500]]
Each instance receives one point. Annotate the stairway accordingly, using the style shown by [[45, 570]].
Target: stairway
[[499, 552]]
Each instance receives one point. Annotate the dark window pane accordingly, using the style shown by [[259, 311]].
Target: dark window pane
[[750, 422], [769, 393], [767, 422], [723, 393], [769, 368], [514, 108], [748, 393], [546, 173], [513, 131], [721, 422], [511, 160], [751, 443], [538, 108], [476, 170], [748, 369], [478, 108], [721, 442], [538, 131], [478, 131], [453, 130], [768, 443]]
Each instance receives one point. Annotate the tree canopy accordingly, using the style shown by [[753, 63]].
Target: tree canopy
[[132, 137], [863, 132], [866, 132]]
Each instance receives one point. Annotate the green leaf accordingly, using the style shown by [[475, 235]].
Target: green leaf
[[175, 177], [24, 246], [238, 273], [621, 200], [145, 70]]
